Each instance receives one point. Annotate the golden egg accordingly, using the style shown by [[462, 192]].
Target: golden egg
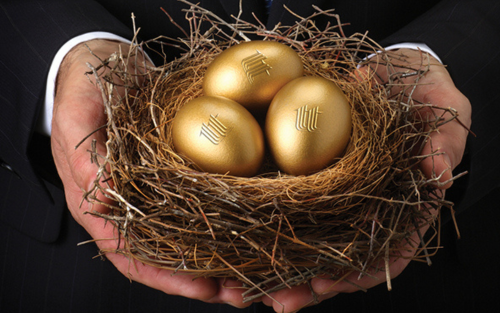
[[251, 73], [308, 125], [219, 135]]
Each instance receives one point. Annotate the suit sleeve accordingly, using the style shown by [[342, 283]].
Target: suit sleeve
[[466, 36], [32, 32]]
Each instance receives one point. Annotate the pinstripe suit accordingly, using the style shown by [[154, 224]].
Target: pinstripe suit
[[39, 259]]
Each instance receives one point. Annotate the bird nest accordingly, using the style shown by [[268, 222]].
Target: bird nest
[[273, 230]]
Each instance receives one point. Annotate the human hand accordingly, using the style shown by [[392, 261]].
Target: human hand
[[78, 111], [435, 87]]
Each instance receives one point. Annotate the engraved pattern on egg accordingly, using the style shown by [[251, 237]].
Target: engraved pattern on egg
[[214, 131], [255, 65], [307, 119]]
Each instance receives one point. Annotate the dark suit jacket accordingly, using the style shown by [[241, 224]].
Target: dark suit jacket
[[465, 34]]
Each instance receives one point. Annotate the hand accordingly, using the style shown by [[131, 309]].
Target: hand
[[437, 88], [78, 111]]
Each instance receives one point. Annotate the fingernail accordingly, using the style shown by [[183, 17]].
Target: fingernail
[[329, 294], [447, 161]]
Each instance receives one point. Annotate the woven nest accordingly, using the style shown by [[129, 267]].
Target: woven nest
[[273, 230]]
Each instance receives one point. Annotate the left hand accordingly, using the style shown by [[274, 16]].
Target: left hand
[[437, 88]]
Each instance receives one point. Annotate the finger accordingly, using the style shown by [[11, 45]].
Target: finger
[[231, 291], [293, 299], [179, 284]]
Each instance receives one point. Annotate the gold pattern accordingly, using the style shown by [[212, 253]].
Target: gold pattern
[[307, 119], [214, 130], [255, 65]]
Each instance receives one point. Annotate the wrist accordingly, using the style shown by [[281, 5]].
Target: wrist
[[77, 59], [45, 120]]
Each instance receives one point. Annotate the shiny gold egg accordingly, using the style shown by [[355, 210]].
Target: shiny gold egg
[[251, 73], [308, 125], [219, 135]]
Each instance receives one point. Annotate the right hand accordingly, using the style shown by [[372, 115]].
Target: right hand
[[78, 111]]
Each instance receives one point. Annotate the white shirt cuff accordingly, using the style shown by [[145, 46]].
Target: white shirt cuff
[[44, 124], [414, 46]]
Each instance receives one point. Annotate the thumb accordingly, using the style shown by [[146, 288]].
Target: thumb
[[78, 112]]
